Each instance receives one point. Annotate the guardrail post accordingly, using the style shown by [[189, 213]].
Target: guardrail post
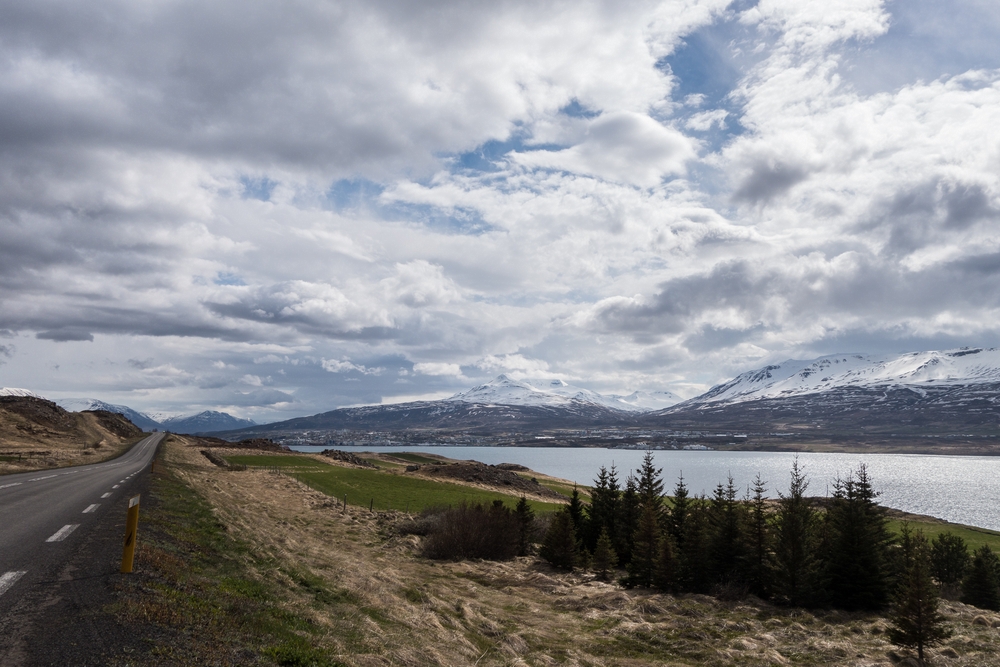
[[131, 530]]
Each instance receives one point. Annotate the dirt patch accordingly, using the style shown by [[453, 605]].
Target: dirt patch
[[347, 457]]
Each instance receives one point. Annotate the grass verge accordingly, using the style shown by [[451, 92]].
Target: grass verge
[[201, 597]]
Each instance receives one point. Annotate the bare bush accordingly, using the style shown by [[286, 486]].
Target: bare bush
[[473, 531]]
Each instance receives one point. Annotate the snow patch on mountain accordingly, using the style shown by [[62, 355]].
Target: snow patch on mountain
[[206, 422], [912, 370], [14, 391], [504, 390], [140, 419]]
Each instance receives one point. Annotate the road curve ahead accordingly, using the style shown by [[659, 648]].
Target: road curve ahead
[[44, 514]]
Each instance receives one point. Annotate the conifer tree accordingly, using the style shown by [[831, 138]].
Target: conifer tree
[[575, 509], [650, 485], [678, 513], [857, 557], [795, 566], [604, 559], [526, 526], [758, 540], [693, 554], [665, 575], [916, 622], [949, 558], [645, 548], [727, 543], [981, 587], [559, 547], [603, 508], [627, 521]]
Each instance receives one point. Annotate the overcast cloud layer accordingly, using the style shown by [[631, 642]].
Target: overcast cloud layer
[[277, 209]]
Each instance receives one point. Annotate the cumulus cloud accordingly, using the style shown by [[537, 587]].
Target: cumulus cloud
[[620, 146], [344, 366], [290, 209], [438, 368]]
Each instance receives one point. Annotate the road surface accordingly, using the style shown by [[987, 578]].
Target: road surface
[[45, 514]]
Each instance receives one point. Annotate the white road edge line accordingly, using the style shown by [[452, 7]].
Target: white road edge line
[[63, 532], [91, 508], [8, 579], [106, 494]]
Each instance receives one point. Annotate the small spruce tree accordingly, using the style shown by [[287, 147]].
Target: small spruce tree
[[916, 622], [559, 547], [665, 576], [981, 586], [645, 548], [857, 549], [650, 485], [605, 559], [949, 558], [795, 566], [627, 521], [758, 540], [526, 526], [602, 511], [576, 510], [726, 538]]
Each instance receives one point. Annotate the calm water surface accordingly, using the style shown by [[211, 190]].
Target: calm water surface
[[963, 489]]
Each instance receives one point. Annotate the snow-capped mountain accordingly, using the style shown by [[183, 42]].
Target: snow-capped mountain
[[916, 371], [14, 391], [208, 421], [647, 401], [140, 419], [504, 390]]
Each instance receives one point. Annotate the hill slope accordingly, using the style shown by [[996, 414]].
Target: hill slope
[[36, 433]]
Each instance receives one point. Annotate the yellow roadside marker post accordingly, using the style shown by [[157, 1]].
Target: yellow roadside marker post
[[131, 528]]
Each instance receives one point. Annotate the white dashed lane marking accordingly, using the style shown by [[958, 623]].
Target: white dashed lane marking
[[91, 508], [106, 494], [38, 479], [9, 485], [8, 580], [63, 532], [115, 486]]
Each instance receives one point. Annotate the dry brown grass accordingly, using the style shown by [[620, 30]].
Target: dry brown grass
[[400, 609], [80, 439]]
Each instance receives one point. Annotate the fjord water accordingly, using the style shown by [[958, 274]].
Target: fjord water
[[961, 489]]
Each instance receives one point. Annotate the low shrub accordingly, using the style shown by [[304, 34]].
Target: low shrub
[[490, 532]]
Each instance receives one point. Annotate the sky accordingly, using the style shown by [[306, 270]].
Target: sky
[[277, 209]]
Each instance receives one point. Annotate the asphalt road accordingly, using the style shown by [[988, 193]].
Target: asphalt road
[[46, 515]]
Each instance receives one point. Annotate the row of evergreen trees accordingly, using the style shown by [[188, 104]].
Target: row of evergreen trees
[[791, 551]]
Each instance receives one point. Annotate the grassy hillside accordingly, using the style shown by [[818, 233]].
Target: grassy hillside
[[36, 433]]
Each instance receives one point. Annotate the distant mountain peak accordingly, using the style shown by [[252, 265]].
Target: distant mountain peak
[[206, 421], [555, 392], [964, 366], [14, 391]]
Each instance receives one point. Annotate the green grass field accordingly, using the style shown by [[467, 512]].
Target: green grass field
[[974, 537], [383, 489]]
